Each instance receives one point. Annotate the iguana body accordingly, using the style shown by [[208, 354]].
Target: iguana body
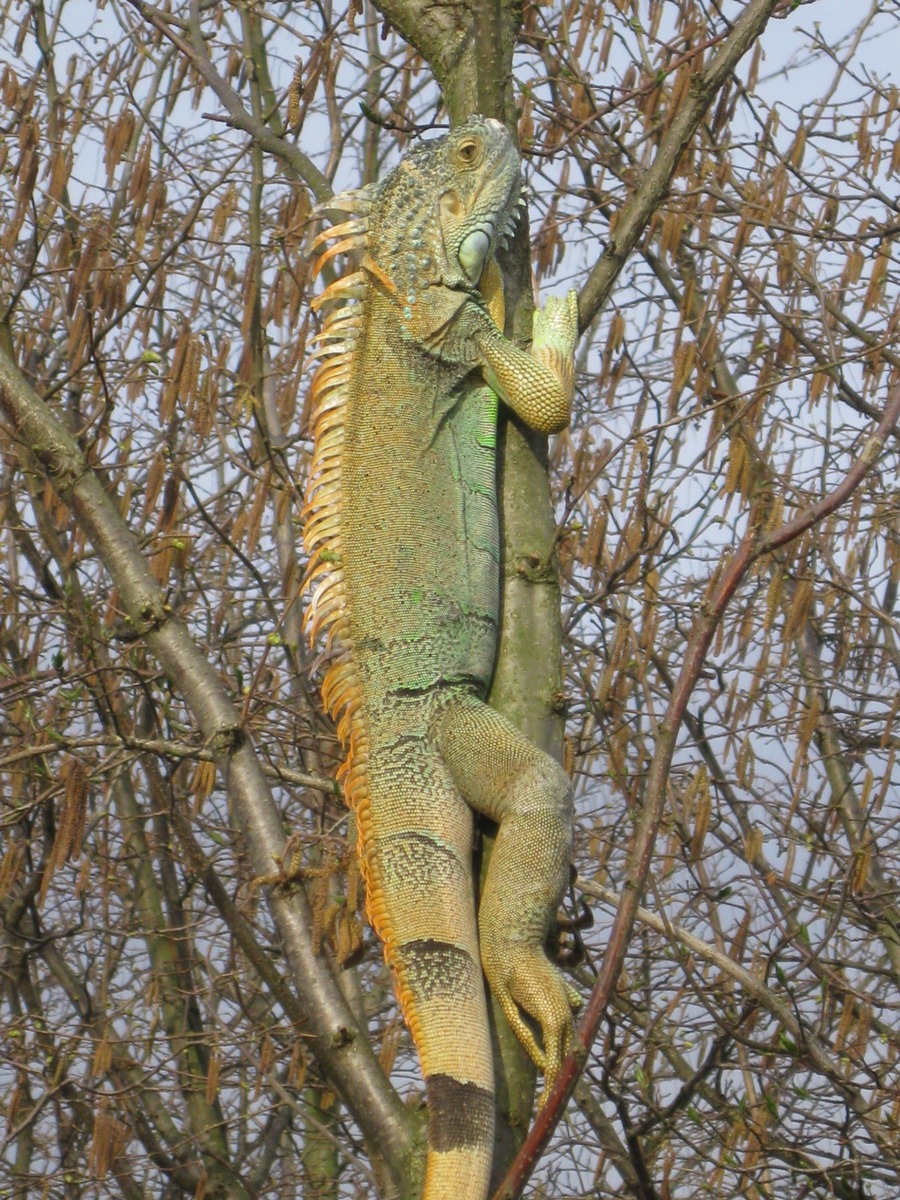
[[402, 531]]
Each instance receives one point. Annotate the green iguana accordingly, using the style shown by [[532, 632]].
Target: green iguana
[[402, 532]]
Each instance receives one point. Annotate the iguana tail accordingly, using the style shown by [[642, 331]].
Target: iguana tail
[[417, 868]]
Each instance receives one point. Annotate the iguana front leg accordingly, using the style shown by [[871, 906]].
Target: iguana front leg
[[537, 385]]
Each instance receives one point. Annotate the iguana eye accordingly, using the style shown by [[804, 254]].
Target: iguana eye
[[467, 151]]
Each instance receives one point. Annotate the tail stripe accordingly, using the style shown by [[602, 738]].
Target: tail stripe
[[434, 968], [460, 1115]]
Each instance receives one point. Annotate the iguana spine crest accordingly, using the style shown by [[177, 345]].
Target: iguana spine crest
[[327, 611]]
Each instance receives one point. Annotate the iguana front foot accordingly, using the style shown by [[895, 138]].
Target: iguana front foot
[[538, 384], [554, 333]]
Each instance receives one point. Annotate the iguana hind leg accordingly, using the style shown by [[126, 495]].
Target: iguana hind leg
[[503, 776]]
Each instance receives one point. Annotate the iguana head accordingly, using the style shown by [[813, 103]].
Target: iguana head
[[437, 218]]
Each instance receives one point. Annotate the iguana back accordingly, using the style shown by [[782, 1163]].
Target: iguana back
[[402, 530]]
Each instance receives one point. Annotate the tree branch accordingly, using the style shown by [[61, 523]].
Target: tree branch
[[637, 211], [807, 1041], [194, 50]]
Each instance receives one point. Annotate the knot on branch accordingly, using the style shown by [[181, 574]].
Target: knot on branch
[[342, 1036], [63, 468], [227, 740], [149, 616]]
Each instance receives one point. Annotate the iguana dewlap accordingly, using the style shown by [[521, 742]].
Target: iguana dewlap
[[402, 533]]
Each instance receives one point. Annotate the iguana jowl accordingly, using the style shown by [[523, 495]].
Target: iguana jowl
[[402, 532]]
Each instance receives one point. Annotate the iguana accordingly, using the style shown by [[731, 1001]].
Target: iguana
[[401, 526]]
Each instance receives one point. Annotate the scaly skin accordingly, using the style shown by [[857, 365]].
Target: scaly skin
[[402, 530]]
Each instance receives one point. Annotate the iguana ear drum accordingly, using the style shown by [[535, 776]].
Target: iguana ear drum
[[452, 205]]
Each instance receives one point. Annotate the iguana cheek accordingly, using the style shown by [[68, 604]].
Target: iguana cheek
[[472, 254]]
